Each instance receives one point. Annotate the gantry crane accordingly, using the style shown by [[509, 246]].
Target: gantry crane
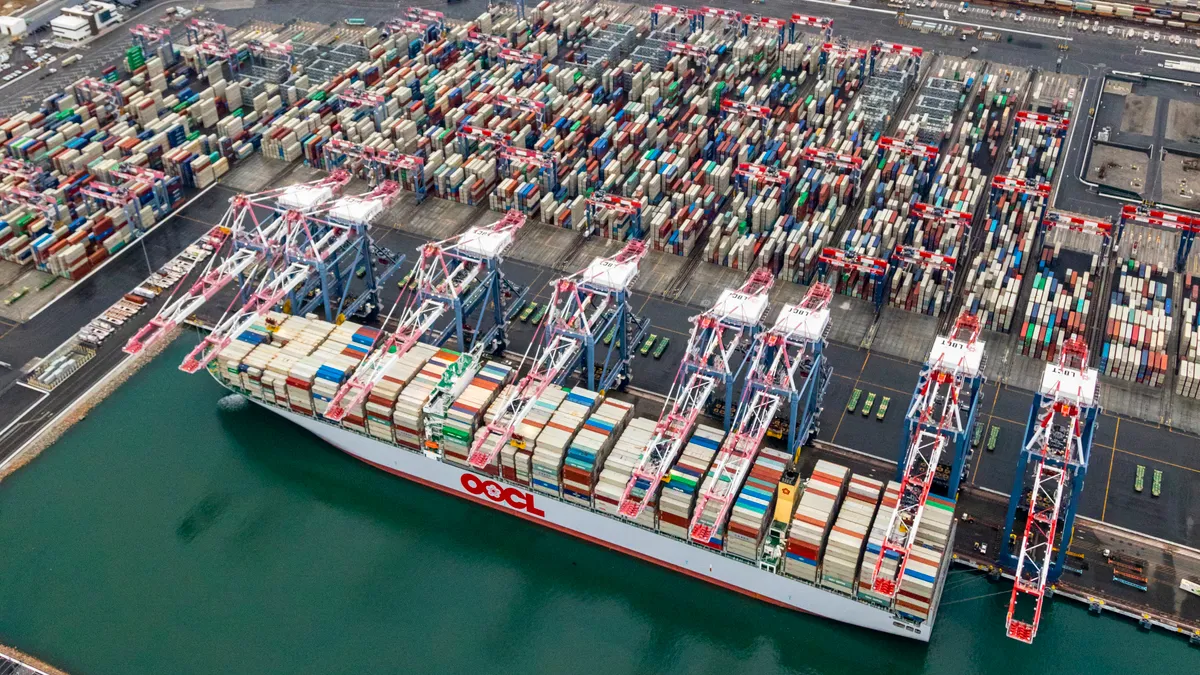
[[708, 363], [679, 15], [1058, 444], [787, 368], [253, 241], [460, 275], [740, 109], [909, 147], [362, 99], [824, 24], [700, 16], [913, 53], [1187, 226], [847, 262], [148, 37], [309, 243], [379, 165], [939, 419], [583, 307], [748, 177], [751, 22], [605, 202]]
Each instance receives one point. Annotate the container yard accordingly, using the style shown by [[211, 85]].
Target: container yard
[[654, 150]]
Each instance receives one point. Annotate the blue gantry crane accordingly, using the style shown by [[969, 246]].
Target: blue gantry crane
[[459, 276], [710, 362], [583, 307], [788, 371], [1048, 483], [936, 434], [319, 251], [257, 226]]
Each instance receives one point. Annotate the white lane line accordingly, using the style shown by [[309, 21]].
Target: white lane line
[[1067, 152], [15, 80], [1174, 56], [4, 431], [981, 26], [118, 254], [845, 6], [65, 411]]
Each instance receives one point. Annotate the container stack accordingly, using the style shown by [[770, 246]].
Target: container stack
[[1187, 381], [555, 439], [844, 551], [408, 418], [891, 562], [381, 401], [1058, 309], [1140, 322], [590, 448], [813, 518], [618, 469], [994, 276], [755, 505], [464, 415], [678, 494], [916, 595], [516, 458]]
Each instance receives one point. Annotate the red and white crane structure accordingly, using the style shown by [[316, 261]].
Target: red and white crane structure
[[1058, 441], [909, 147], [707, 363], [253, 241], [824, 24], [732, 107], [937, 409], [278, 284], [445, 273], [786, 369], [582, 307]]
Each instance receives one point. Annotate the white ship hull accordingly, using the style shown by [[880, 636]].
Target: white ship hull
[[608, 531]]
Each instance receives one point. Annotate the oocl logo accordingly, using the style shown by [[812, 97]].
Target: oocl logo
[[500, 494]]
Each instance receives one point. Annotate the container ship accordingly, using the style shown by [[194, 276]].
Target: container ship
[[809, 544]]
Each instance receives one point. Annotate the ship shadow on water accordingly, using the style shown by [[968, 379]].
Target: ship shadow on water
[[543, 568]]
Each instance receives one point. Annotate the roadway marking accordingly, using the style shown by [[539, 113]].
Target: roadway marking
[[845, 6], [1174, 56], [123, 250], [1155, 459], [1111, 458], [21, 383], [63, 413], [4, 431], [981, 26]]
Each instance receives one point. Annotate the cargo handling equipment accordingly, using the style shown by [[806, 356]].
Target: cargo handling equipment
[[460, 277], [709, 362], [787, 368], [583, 307], [321, 249], [1053, 461], [938, 422], [258, 226]]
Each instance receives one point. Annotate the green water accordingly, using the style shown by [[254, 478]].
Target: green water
[[163, 535]]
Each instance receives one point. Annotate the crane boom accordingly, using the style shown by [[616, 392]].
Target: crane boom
[[1058, 445], [953, 359], [568, 318], [445, 268], [715, 337], [251, 242]]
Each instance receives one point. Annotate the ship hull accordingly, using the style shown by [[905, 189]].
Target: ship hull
[[610, 532]]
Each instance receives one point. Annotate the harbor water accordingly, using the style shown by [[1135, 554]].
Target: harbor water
[[168, 534]]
